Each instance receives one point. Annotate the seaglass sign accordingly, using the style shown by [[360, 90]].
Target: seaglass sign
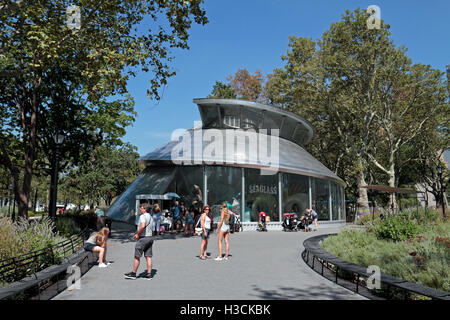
[[259, 188]]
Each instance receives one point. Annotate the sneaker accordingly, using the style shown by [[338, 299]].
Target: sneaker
[[130, 275], [225, 258], [218, 259], [148, 276], [102, 265]]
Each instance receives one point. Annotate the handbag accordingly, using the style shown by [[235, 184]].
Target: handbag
[[198, 230]]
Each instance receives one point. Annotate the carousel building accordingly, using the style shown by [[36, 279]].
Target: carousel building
[[248, 154]]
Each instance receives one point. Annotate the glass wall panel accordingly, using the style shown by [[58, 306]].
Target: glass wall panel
[[231, 116], [295, 193], [210, 117], [252, 119], [224, 184], [320, 197], [335, 200], [261, 194], [184, 185]]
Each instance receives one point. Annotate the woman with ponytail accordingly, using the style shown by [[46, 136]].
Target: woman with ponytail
[[224, 231], [97, 243]]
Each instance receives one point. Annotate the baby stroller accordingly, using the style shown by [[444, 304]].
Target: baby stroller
[[262, 222], [237, 223], [289, 222]]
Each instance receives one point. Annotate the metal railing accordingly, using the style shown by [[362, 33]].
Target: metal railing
[[356, 278], [19, 267]]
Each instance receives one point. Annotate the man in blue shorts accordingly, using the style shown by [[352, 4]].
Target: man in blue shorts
[[176, 209]]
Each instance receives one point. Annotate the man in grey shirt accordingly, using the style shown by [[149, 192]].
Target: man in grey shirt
[[144, 242]]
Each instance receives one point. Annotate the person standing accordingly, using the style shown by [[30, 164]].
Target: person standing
[[144, 243], [100, 217], [183, 214], [176, 218], [315, 217], [206, 221], [223, 228], [156, 219], [189, 222]]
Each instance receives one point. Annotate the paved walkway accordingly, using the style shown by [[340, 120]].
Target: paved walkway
[[262, 266]]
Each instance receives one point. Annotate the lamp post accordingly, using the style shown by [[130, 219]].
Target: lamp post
[[58, 139], [441, 182]]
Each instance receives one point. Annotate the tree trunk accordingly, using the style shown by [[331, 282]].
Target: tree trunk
[[393, 205], [363, 201]]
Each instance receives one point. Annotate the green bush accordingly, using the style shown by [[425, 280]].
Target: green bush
[[67, 226], [396, 229], [423, 258]]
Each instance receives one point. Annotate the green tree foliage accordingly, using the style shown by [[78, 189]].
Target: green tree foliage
[[368, 103], [57, 75], [242, 85], [222, 91], [104, 176]]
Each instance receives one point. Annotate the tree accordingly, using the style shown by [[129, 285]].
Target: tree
[[242, 85], [76, 75], [105, 175], [365, 99], [222, 91]]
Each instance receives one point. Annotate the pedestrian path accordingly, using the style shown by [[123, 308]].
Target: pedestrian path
[[262, 266]]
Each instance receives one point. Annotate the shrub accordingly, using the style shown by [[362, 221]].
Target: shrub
[[396, 229], [423, 258], [67, 226]]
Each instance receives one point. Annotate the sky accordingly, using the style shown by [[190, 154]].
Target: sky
[[253, 34]]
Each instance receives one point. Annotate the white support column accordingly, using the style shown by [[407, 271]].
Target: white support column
[[242, 194], [330, 207], [205, 187], [280, 196], [310, 192]]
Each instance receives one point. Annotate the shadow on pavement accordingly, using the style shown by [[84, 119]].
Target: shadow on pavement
[[309, 293], [144, 273]]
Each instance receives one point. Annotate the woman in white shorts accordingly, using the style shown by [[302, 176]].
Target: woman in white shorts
[[224, 231]]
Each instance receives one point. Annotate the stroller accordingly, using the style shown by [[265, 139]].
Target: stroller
[[262, 222], [289, 222], [237, 223]]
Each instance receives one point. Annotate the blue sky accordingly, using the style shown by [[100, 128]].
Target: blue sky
[[253, 34]]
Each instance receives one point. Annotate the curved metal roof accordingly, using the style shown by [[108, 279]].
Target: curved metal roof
[[291, 157], [241, 114]]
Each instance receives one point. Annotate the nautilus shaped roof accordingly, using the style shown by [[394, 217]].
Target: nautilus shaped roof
[[244, 134], [240, 114]]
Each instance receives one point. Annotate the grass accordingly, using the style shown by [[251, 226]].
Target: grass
[[422, 257]]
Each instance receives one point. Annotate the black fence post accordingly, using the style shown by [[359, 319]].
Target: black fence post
[[337, 269], [357, 282]]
